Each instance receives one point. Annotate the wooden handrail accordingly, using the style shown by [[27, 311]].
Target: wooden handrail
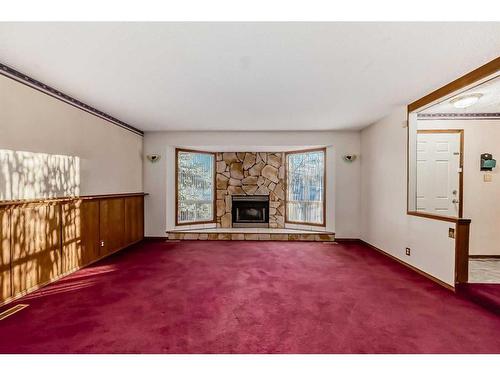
[[20, 202]]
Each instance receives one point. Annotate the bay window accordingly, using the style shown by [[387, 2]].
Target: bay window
[[305, 195], [195, 187]]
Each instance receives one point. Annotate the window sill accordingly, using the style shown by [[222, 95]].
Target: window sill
[[305, 226]]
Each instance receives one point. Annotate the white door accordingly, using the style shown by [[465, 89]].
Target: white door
[[438, 172]]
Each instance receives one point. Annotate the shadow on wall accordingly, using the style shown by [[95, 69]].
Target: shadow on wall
[[39, 241], [29, 175], [32, 231]]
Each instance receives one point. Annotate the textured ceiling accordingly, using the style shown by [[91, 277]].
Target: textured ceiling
[[488, 103], [247, 76]]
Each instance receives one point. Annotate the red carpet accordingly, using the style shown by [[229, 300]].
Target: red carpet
[[248, 297], [487, 295]]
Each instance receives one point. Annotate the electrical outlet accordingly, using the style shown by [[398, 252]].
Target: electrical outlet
[[102, 243], [408, 251]]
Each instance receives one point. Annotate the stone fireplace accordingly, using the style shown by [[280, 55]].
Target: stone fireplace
[[250, 174]]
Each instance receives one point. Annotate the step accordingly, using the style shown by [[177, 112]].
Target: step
[[251, 234]]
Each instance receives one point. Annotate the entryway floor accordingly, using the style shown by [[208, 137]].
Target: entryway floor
[[485, 270]]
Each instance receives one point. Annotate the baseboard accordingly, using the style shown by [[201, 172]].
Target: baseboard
[[153, 238], [413, 268], [347, 240], [483, 256]]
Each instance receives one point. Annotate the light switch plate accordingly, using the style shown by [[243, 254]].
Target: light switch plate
[[487, 177]]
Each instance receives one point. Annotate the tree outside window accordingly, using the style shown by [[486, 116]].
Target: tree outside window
[[305, 187], [195, 187]]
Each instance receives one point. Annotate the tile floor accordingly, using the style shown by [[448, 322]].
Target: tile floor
[[484, 270]]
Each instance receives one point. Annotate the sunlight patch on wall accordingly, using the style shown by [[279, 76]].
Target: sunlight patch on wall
[[31, 175]]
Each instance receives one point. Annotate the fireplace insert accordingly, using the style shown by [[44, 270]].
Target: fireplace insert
[[250, 211]]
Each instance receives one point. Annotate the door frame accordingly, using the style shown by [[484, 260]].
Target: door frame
[[467, 80], [461, 162], [462, 225]]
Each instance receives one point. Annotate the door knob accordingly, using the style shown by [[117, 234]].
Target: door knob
[[455, 201]]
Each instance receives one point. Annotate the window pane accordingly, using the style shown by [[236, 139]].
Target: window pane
[[195, 186], [305, 184]]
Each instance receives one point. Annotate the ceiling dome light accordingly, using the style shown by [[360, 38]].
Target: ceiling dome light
[[465, 101]]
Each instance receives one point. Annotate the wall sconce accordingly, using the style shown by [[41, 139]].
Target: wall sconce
[[153, 158], [349, 157]]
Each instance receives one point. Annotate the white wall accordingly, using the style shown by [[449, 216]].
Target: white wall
[[481, 199], [384, 222], [343, 179], [42, 134]]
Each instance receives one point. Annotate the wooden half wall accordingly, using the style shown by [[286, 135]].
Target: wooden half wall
[[43, 240]]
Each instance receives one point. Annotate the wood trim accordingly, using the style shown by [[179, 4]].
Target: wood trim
[[475, 256], [177, 224], [462, 229], [14, 309], [305, 150], [214, 196], [461, 162], [26, 80], [118, 195], [462, 226], [347, 240], [413, 268], [323, 149], [67, 199], [441, 218], [155, 238], [432, 216], [306, 223], [464, 81], [408, 212], [444, 131]]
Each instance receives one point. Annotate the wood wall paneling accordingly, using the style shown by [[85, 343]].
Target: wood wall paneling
[[80, 234], [35, 245], [89, 229], [5, 274], [112, 225], [134, 219], [45, 239]]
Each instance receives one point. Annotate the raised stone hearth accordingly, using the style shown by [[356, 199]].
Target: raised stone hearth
[[251, 173], [247, 234]]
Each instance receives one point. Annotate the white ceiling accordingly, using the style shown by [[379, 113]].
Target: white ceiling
[[488, 103], [247, 76]]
